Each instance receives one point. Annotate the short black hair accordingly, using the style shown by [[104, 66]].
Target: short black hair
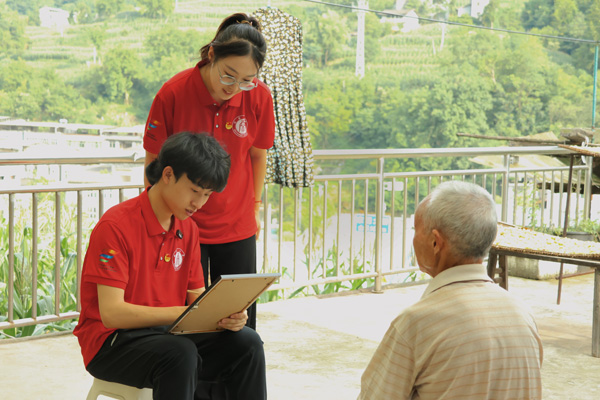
[[197, 155]]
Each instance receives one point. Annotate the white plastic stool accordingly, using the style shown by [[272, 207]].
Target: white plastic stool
[[117, 391]]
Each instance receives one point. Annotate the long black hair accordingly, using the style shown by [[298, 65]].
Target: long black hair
[[238, 35], [197, 155]]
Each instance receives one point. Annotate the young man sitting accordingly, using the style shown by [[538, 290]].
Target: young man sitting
[[142, 266]]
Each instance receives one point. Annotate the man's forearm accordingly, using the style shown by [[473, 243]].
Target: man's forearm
[[118, 314]]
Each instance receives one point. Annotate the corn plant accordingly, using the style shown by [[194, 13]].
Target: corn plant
[[46, 267]]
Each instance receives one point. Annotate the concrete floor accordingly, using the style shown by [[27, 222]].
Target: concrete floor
[[317, 348]]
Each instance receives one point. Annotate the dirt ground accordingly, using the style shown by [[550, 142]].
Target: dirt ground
[[318, 347]]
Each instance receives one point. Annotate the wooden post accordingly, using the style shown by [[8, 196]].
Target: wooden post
[[596, 316], [503, 273], [491, 267]]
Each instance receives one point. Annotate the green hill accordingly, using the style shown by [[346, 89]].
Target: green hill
[[70, 52]]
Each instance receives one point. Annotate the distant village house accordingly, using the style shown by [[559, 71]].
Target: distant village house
[[54, 18], [404, 20], [475, 9]]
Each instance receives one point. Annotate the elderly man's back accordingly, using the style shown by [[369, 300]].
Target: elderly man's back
[[466, 338]]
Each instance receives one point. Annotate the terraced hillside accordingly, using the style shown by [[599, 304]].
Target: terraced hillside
[[411, 53], [70, 51]]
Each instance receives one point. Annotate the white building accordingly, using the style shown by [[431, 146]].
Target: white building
[[54, 18], [39, 140], [475, 9], [402, 20]]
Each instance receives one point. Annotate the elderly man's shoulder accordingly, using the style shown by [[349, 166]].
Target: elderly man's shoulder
[[460, 299]]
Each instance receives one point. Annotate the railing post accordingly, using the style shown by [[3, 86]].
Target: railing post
[[266, 232], [280, 231], [34, 254], [57, 258], [379, 201], [505, 176], [80, 244], [310, 231], [11, 256], [587, 194], [324, 227], [296, 215]]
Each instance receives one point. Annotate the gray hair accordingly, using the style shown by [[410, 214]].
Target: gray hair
[[465, 214]]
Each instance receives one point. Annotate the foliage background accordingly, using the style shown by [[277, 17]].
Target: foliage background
[[420, 89], [417, 91]]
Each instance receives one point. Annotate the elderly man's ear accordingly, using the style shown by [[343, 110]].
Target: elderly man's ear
[[438, 241]]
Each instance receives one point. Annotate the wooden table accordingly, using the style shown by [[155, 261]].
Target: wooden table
[[497, 265]]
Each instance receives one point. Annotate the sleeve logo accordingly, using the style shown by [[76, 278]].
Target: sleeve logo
[[153, 124], [107, 255]]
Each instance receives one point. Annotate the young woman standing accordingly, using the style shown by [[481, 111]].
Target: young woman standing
[[222, 95]]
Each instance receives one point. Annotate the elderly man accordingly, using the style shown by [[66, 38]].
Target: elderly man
[[466, 338]]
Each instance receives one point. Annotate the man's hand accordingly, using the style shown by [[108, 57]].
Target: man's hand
[[235, 322]]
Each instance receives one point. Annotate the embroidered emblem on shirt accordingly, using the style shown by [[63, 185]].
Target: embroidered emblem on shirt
[[107, 255], [228, 125], [167, 257], [177, 259], [240, 126], [153, 124]]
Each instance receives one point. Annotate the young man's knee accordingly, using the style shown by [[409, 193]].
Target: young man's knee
[[250, 338], [181, 353], [245, 341]]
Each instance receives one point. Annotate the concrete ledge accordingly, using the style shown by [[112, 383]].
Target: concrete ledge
[[317, 348], [537, 269]]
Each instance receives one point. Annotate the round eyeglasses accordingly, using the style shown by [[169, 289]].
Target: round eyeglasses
[[230, 80]]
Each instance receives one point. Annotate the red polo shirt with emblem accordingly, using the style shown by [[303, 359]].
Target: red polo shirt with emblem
[[130, 250], [245, 120]]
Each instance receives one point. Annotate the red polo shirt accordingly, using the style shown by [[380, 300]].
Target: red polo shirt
[[130, 250], [246, 120]]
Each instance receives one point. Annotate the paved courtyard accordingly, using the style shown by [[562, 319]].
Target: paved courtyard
[[317, 348]]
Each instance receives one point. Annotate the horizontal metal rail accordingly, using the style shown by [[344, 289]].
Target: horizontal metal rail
[[345, 230]]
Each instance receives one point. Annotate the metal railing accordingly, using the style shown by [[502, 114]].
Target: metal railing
[[346, 231]]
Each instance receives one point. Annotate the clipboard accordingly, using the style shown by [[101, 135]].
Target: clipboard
[[229, 294]]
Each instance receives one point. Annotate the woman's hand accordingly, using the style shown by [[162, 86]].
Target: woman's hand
[[257, 218]]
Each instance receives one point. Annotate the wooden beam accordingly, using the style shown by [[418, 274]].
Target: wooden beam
[[512, 139]]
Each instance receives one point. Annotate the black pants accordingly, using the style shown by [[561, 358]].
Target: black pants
[[174, 365], [230, 258]]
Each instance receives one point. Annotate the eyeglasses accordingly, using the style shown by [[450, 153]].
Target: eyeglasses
[[230, 80]]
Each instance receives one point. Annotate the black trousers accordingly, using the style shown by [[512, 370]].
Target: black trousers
[[174, 365], [230, 258]]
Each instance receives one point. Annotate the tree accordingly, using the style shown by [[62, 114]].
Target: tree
[[106, 8], [325, 37], [374, 31], [537, 14], [29, 8], [568, 21], [173, 42], [83, 11], [118, 74], [501, 15], [594, 20], [12, 31], [96, 35], [38, 94], [157, 8], [327, 114]]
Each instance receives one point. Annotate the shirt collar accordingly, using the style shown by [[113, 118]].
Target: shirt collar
[[460, 273], [153, 227], [204, 95]]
